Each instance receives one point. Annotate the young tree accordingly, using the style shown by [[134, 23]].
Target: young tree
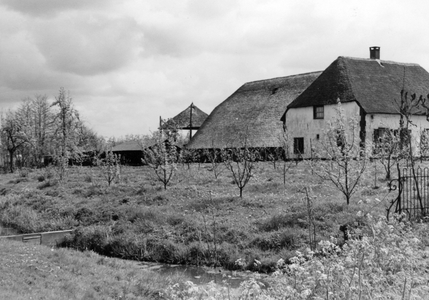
[[188, 156], [110, 167], [241, 163], [214, 157], [346, 160], [408, 106], [162, 157], [66, 134], [387, 148], [285, 146]]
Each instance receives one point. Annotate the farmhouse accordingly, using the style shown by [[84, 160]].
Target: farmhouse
[[253, 113], [369, 90]]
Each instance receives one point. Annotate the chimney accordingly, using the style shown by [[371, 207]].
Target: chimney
[[374, 52]]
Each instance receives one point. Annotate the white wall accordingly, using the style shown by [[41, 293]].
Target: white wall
[[300, 123], [374, 121]]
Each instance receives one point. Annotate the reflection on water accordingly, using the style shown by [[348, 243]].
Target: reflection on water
[[202, 275]]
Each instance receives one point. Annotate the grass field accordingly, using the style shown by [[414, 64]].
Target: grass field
[[38, 272], [200, 220], [197, 220]]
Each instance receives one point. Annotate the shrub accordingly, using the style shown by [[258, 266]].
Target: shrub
[[279, 221], [276, 241]]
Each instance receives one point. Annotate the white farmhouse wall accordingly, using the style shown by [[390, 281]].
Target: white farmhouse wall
[[374, 121], [301, 124]]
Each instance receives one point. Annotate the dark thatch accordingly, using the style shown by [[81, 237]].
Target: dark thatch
[[184, 119], [252, 112], [375, 85]]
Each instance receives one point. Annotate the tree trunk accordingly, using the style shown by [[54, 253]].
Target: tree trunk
[[11, 168]]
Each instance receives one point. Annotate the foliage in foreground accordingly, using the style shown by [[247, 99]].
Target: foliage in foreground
[[386, 260]]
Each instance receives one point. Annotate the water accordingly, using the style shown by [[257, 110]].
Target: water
[[203, 275]]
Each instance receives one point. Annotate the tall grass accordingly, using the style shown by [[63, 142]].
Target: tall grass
[[38, 272], [197, 220]]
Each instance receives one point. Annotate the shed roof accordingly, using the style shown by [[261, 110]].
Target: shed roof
[[253, 111], [127, 146], [183, 120], [375, 84]]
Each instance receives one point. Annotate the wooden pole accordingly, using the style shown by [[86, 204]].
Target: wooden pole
[[190, 122]]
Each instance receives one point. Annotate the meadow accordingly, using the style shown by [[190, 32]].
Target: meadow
[[288, 226], [39, 272], [198, 219]]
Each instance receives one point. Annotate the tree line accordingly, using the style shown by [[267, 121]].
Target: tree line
[[40, 131]]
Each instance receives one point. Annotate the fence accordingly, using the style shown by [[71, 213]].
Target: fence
[[413, 193], [50, 238]]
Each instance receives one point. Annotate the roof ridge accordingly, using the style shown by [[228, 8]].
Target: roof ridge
[[282, 77], [380, 60]]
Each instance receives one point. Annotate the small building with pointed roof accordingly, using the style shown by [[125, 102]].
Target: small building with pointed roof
[[368, 89], [190, 119]]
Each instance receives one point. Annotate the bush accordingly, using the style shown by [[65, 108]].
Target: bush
[[279, 221], [276, 241]]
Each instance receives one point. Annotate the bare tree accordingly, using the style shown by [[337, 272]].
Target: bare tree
[[110, 167], [408, 106], [66, 133], [162, 157], [387, 148], [346, 160], [214, 157], [285, 146], [241, 163]]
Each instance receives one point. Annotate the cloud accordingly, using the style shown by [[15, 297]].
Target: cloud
[[50, 8], [128, 62], [207, 10], [87, 44]]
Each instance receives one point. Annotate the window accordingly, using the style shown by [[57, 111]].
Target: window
[[383, 137], [298, 145], [424, 142], [318, 112], [341, 138]]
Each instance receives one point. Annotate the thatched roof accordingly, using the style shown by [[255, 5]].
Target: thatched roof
[[253, 111], [184, 119], [127, 146], [375, 85]]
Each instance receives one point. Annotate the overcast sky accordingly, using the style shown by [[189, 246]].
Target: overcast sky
[[126, 63]]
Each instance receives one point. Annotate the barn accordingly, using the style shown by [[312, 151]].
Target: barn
[[251, 113]]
